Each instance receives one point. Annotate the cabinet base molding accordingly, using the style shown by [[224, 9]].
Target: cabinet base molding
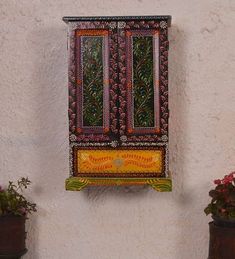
[[78, 183]]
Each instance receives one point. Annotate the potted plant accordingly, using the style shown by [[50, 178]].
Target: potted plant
[[222, 209], [14, 209]]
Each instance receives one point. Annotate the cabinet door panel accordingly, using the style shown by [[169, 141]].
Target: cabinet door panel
[[142, 81], [92, 81], [143, 66]]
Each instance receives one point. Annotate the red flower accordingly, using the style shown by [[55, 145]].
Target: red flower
[[218, 181], [228, 179]]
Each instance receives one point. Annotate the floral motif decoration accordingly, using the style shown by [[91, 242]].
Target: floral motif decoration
[[163, 24], [121, 24]]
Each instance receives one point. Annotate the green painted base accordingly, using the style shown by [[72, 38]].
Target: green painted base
[[78, 183]]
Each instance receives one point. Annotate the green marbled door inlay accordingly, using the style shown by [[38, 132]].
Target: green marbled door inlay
[[143, 87], [92, 63]]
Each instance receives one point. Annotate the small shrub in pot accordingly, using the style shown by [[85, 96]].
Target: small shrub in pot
[[14, 209]]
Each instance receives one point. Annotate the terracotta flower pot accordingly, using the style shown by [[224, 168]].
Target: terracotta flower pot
[[12, 237], [222, 239]]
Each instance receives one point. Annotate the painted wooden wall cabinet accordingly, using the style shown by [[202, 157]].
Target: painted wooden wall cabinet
[[118, 101]]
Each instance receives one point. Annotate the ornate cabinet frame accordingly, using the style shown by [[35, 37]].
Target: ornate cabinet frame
[[109, 143]]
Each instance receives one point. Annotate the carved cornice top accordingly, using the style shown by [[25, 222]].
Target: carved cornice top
[[68, 19]]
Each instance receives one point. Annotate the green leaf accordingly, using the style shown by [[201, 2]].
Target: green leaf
[[207, 210], [213, 193]]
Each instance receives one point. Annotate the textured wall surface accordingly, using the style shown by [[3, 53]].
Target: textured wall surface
[[117, 223]]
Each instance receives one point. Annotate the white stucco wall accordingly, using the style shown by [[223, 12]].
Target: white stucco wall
[[117, 223]]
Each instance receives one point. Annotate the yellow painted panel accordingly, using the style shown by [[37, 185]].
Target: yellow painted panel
[[119, 161]]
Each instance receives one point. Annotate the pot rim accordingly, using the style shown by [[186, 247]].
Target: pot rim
[[217, 218]]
